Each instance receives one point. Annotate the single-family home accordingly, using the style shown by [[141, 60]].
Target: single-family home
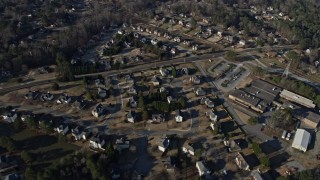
[[178, 116], [64, 99], [31, 95], [163, 144], [131, 116], [102, 93], [96, 142], [133, 103], [195, 47], [241, 162], [170, 99], [174, 51], [129, 79], [163, 90], [46, 97], [132, 91], [122, 144], [185, 71], [182, 23], [62, 129], [199, 91], [202, 169], [212, 116], [154, 41], [209, 103], [195, 80], [10, 116], [242, 42], [155, 81], [99, 110], [163, 71], [188, 148], [158, 118], [177, 39], [79, 133]]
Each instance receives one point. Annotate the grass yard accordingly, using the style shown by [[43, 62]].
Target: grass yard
[[47, 148]]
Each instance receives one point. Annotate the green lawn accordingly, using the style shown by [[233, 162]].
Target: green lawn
[[47, 148]]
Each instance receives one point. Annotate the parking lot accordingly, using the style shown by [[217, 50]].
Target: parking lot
[[228, 75]]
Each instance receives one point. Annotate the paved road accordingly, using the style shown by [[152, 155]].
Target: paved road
[[252, 130]]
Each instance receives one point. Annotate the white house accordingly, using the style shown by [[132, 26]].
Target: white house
[[301, 140], [96, 142], [154, 41], [187, 148], [178, 116], [212, 116], [11, 116], [62, 129], [163, 144], [79, 134], [64, 99], [195, 80], [202, 169], [131, 116], [169, 99], [163, 72]]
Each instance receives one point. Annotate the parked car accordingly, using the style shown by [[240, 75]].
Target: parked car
[[288, 136], [284, 134]]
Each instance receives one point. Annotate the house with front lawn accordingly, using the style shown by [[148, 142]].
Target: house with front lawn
[[178, 117], [131, 117], [163, 144], [64, 99], [10, 116], [79, 133], [202, 169], [97, 142], [99, 110], [188, 149], [62, 129]]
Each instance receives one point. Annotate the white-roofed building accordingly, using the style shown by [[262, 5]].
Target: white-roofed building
[[297, 98], [301, 140]]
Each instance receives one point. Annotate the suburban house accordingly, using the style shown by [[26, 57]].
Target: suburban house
[[62, 129], [209, 103], [202, 169], [212, 116], [46, 97], [170, 99], [10, 116], [163, 90], [131, 116], [79, 133], [185, 71], [242, 42], [132, 91], [133, 103], [158, 118], [301, 140], [64, 99], [96, 142], [31, 95], [174, 51], [99, 110], [195, 80], [256, 175], [164, 72], [177, 39], [178, 116], [187, 148], [233, 146], [241, 162], [154, 41], [155, 81], [163, 144], [122, 144], [200, 92], [102, 93], [195, 47]]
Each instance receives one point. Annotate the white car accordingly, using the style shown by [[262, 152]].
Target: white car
[[288, 136]]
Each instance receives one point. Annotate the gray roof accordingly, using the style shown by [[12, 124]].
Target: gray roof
[[301, 139]]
